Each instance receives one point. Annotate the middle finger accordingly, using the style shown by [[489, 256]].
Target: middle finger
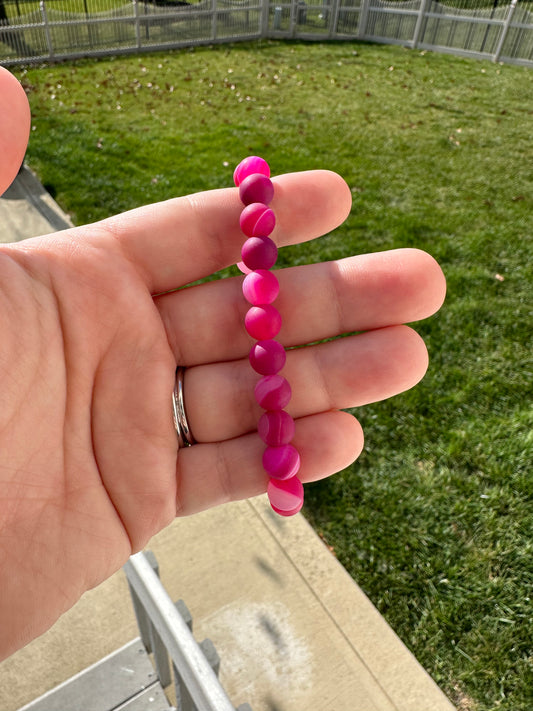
[[339, 374], [205, 323]]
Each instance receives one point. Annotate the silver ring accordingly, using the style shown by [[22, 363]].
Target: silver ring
[[185, 438]]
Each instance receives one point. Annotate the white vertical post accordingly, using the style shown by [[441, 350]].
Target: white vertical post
[[137, 23], [424, 4], [47, 32], [363, 18], [214, 19], [334, 18], [505, 29], [265, 12], [292, 25]]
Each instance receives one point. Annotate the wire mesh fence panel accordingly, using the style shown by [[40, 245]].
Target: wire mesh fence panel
[[238, 18], [92, 32], [471, 27], [349, 17], [328, 19], [314, 19], [394, 21], [518, 43], [62, 28], [37, 30], [166, 25], [201, 22], [292, 18], [21, 30]]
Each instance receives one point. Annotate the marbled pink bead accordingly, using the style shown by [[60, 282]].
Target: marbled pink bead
[[259, 253], [276, 428], [267, 357], [256, 188], [281, 462], [257, 220], [273, 392], [262, 322], [249, 166], [286, 496], [260, 287]]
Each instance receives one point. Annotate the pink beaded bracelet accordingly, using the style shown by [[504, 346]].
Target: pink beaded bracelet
[[260, 288]]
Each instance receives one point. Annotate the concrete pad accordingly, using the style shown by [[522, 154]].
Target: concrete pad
[[28, 210], [293, 631]]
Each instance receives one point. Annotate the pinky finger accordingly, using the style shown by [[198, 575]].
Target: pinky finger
[[212, 474]]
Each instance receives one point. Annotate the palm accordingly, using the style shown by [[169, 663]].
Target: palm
[[90, 468]]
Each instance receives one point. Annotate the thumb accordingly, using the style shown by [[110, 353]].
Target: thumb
[[14, 127]]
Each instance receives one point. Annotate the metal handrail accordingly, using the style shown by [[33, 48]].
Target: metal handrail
[[195, 673]]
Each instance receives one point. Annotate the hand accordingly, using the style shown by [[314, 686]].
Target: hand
[[89, 467]]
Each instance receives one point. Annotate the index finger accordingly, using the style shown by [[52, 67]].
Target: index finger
[[184, 239]]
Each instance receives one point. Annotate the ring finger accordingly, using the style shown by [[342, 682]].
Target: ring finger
[[349, 372]]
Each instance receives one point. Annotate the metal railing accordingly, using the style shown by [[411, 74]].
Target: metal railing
[[167, 635], [47, 30]]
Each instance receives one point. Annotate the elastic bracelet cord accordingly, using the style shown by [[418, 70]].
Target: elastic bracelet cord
[[260, 288]]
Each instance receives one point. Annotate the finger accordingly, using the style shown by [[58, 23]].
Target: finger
[[14, 127], [340, 374], [184, 239], [212, 474], [206, 323]]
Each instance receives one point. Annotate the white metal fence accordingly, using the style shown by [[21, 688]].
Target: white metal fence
[[45, 30]]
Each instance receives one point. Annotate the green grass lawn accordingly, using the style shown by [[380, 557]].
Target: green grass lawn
[[434, 520]]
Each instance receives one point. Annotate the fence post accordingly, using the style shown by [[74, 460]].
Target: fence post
[[293, 17], [420, 20], [214, 19], [334, 18], [265, 12], [47, 32], [505, 29], [137, 23], [363, 18]]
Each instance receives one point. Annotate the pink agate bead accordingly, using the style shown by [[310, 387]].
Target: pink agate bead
[[281, 462], [257, 220], [262, 322], [249, 166], [267, 357], [259, 253], [273, 392], [256, 188], [276, 429], [286, 496], [260, 287]]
